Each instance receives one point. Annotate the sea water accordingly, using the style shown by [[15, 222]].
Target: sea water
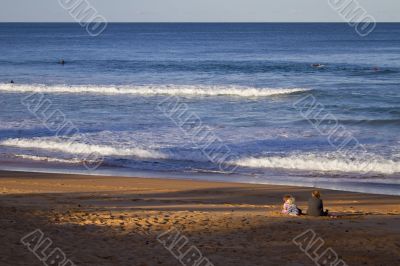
[[241, 82]]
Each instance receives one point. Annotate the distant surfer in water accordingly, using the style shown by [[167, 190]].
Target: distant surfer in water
[[12, 81], [317, 65], [62, 62]]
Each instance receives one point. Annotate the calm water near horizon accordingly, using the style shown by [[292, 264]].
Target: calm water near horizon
[[241, 80]]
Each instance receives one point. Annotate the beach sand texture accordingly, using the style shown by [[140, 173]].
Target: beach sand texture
[[118, 220]]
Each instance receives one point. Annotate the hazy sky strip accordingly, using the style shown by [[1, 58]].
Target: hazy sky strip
[[196, 10]]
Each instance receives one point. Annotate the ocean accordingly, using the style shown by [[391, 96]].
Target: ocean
[[271, 103]]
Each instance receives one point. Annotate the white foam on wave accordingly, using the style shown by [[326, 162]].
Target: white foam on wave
[[72, 147], [48, 159], [149, 90], [312, 162], [18, 125]]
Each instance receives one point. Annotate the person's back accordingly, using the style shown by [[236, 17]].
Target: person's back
[[315, 205]]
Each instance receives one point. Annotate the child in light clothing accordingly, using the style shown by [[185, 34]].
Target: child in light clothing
[[289, 206]]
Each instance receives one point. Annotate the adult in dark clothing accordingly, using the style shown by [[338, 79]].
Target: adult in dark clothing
[[315, 205]]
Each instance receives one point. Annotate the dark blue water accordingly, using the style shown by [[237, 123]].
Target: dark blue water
[[241, 80]]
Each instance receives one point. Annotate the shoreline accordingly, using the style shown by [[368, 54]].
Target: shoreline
[[98, 220], [389, 187]]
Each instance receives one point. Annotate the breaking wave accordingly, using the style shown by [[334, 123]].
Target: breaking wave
[[82, 148], [329, 162], [149, 90], [312, 162], [48, 159]]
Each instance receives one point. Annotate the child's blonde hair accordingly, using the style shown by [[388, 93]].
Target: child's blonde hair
[[291, 200], [286, 197]]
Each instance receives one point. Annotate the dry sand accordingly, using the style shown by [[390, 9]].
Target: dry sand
[[116, 221]]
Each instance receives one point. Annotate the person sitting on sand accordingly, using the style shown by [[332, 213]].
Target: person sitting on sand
[[315, 205], [289, 206]]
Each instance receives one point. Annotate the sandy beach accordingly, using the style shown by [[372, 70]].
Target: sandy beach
[[118, 221]]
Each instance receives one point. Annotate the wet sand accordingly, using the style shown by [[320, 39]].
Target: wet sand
[[118, 221]]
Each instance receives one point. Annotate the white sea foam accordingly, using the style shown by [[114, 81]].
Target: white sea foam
[[72, 147], [48, 159], [295, 162], [18, 125], [149, 90], [312, 162]]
